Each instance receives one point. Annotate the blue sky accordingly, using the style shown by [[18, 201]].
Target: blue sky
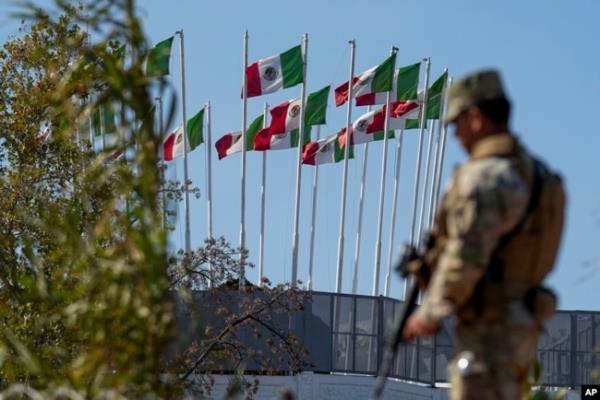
[[547, 52]]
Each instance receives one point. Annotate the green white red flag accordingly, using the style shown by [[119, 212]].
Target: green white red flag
[[434, 101], [265, 140], [325, 151], [374, 121], [157, 62], [173, 143], [274, 73], [404, 87], [375, 80], [285, 122], [231, 142]]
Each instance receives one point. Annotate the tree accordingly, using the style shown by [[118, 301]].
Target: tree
[[84, 290], [87, 291]]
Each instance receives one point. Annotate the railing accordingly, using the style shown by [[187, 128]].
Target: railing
[[345, 333]]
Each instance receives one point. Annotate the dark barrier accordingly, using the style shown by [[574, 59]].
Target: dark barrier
[[345, 333]]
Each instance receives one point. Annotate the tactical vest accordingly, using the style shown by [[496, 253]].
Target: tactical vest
[[525, 254]]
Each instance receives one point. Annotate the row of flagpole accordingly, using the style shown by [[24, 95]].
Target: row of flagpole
[[430, 194]]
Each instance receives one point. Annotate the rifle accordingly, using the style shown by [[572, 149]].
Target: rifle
[[409, 253]]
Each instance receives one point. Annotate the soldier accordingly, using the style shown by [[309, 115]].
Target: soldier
[[490, 252]]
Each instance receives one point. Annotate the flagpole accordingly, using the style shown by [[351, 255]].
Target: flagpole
[[311, 259], [360, 216], [263, 187], [428, 158], [377, 264], [161, 129], [438, 151], [388, 274], [242, 283], [296, 236], [209, 219], [340, 249], [440, 160], [188, 239], [422, 121]]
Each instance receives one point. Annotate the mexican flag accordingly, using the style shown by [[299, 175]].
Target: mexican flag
[[286, 116], [325, 151], [173, 145], [374, 121], [274, 73], [195, 130], [362, 137], [231, 142], [405, 78], [157, 61], [375, 80], [265, 140], [434, 96]]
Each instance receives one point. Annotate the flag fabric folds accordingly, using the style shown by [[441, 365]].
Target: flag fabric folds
[[173, 145], [195, 130], [157, 62], [265, 140], [285, 122], [404, 87], [373, 121], [325, 151], [231, 142], [434, 96], [375, 80], [274, 73]]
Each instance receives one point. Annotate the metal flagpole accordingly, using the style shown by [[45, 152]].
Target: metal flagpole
[[422, 121], [340, 249], [242, 283], [296, 236], [209, 220], [311, 259], [435, 161], [377, 264], [440, 160], [388, 273], [263, 187], [428, 160], [188, 239], [360, 217], [161, 129]]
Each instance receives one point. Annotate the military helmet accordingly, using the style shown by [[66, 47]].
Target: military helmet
[[471, 90]]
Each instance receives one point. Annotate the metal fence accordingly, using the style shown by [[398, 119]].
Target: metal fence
[[346, 333]]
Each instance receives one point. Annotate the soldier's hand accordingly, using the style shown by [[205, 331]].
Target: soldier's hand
[[415, 327]]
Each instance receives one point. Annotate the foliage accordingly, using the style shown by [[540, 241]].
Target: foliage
[[88, 294], [84, 290]]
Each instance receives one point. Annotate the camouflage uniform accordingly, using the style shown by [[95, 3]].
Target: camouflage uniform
[[486, 198]]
